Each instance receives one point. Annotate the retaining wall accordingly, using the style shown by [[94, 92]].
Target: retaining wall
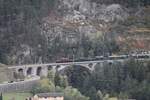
[[26, 85]]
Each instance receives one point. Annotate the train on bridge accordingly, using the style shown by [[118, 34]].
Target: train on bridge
[[112, 57], [32, 70]]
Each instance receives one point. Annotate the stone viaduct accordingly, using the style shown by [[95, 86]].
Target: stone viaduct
[[42, 69]]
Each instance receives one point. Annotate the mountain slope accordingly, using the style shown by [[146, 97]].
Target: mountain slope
[[38, 31]]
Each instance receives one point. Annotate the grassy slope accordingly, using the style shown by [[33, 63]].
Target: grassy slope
[[16, 96], [135, 31], [3, 73]]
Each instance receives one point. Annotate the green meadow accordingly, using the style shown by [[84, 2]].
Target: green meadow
[[16, 96]]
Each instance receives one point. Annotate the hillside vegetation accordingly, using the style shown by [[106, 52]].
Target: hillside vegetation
[[41, 31], [35, 31]]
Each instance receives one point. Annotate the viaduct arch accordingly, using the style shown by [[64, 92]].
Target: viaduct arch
[[42, 69]]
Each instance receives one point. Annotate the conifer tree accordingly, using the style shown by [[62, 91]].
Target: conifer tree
[[1, 96]]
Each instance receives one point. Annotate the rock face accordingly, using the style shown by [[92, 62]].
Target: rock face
[[94, 10], [82, 17], [113, 12]]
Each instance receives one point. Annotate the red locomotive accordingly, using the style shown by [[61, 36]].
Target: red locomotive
[[64, 60]]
